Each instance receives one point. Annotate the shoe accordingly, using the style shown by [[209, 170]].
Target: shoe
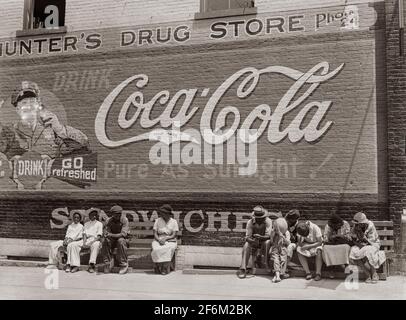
[[368, 280], [309, 276], [276, 280], [107, 268], [285, 276], [67, 268], [74, 269], [375, 278], [242, 273], [91, 268], [123, 270], [317, 277]]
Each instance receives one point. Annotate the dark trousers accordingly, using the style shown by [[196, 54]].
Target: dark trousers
[[107, 250]]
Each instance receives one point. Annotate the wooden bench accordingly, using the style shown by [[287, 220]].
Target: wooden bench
[[385, 232], [140, 240], [141, 235]]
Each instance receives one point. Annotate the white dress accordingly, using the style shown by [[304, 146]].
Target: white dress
[[164, 253], [314, 235], [74, 232], [375, 256]]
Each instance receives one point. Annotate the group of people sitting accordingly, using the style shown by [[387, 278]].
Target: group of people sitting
[[96, 236], [338, 245]]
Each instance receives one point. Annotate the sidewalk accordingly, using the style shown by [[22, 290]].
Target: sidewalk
[[29, 283]]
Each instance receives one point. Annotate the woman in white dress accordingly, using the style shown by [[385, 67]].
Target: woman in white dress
[[365, 252], [165, 242], [73, 233]]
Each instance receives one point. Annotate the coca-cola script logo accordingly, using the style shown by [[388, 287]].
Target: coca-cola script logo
[[135, 108]]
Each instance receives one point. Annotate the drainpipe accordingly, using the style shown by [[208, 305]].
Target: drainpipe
[[403, 232], [401, 27]]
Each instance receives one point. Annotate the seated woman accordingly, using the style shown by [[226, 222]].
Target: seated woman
[[365, 251], [165, 242], [73, 233], [336, 239], [309, 246]]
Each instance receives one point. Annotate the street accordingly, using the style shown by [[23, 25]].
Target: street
[[30, 283]]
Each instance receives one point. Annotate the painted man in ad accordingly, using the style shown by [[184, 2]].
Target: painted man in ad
[[39, 129]]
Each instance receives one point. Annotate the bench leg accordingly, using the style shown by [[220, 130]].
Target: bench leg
[[173, 262]]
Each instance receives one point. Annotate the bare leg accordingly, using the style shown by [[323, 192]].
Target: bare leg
[[367, 267], [303, 262], [246, 253], [372, 270], [319, 262], [267, 254], [285, 266], [245, 257]]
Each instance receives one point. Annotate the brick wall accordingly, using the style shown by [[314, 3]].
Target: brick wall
[[80, 14], [353, 164], [36, 216], [355, 182], [396, 94]]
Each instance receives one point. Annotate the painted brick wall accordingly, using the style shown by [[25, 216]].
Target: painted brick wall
[[81, 14], [31, 218], [396, 84], [355, 168], [17, 218]]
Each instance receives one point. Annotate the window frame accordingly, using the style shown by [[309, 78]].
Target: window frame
[[28, 22], [203, 14]]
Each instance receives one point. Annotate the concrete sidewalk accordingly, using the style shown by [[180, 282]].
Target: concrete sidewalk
[[29, 283]]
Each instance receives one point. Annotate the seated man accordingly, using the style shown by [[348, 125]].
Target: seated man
[[73, 233], [92, 232], [115, 236], [257, 237]]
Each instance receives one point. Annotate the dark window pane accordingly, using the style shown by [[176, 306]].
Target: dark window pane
[[241, 4], [40, 15], [212, 5]]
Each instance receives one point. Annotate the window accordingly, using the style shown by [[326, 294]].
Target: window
[[212, 5], [225, 8], [44, 14]]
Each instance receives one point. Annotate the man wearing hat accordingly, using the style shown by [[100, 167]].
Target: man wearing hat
[[116, 236], [257, 237], [38, 129]]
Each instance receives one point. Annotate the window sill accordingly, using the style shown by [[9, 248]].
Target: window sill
[[225, 13], [40, 31]]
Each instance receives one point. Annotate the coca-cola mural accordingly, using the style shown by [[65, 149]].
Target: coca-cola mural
[[265, 116]]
